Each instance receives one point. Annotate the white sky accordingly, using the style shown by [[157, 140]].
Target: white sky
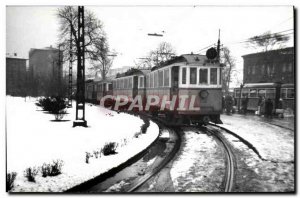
[[187, 28]]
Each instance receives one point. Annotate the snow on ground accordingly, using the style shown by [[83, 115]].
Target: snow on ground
[[33, 139], [272, 142], [199, 166]]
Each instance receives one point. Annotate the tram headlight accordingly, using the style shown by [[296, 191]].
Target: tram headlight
[[203, 94]]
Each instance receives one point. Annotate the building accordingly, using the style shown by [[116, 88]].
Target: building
[[16, 76], [269, 76], [275, 66], [45, 67]]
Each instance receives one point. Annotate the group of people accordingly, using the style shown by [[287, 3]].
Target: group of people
[[265, 106]]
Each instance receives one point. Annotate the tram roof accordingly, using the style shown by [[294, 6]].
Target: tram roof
[[184, 58], [132, 72]]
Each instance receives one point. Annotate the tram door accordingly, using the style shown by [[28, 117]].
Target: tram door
[[174, 84], [135, 86]]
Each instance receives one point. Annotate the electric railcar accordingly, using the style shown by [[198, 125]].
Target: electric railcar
[[188, 89], [274, 91]]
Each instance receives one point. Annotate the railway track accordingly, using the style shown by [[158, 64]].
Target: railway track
[[229, 157], [133, 175]]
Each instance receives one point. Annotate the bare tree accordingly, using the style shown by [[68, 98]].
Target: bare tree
[[229, 68], [94, 33], [268, 40], [162, 53], [102, 58]]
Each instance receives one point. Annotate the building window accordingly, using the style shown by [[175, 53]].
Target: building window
[[249, 69], [290, 67], [253, 69], [193, 76], [183, 76], [284, 67], [268, 69], [203, 76], [263, 69], [166, 77]]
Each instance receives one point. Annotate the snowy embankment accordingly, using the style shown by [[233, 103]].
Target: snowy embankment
[[272, 142], [33, 139]]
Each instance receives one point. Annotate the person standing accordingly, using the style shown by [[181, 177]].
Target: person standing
[[259, 105], [269, 108], [245, 105]]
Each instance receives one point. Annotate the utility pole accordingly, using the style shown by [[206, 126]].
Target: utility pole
[[58, 72], [70, 70], [80, 98], [218, 47]]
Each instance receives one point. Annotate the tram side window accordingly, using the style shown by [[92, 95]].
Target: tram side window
[[290, 93], [253, 93], [283, 93], [270, 93], [183, 76], [147, 81], [203, 73], [126, 83], [237, 93], [193, 75], [213, 76], [160, 78], [166, 77], [262, 92], [155, 79], [151, 80], [220, 77], [245, 93], [110, 87], [141, 82], [130, 83]]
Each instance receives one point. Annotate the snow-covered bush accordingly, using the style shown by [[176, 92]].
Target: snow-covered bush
[[110, 148], [52, 169], [10, 179], [87, 157], [52, 104], [46, 170], [30, 173], [96, 153], [60, 114], [56, 167]]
